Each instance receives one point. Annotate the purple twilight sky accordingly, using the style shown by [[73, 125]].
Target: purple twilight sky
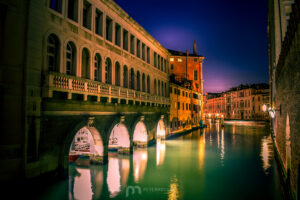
[[231, 35]]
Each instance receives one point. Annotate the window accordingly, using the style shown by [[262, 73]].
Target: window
[[85, 64], [148, 55], [165, 65], [97, 68], [117, 74], [53, 48], [109, 29], [138, 82], [179, 60], [73, 10], [186, 106], [143, 83], [178, 105], [131, 78], [138, 48], [132, 44], [158, 61], [195, 59], [117, 34], [155, 58], [125, 77], [195, 75], [172, 66], [148, 84], [71, 59], [258, 98], [143, 52], [108, 74], [155, 87], [161, 64], [182, 93], [171, 59], [56, 5], [87, 15], [99, 22], [125, 39], [158, 87]]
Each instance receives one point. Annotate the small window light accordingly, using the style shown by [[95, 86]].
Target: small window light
[[179, 60], [171, 59]]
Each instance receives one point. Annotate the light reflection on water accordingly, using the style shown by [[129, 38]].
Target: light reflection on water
[[209, 163], [266, 152]]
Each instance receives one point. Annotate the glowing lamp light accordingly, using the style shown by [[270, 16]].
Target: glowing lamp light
[[209, 115], [222, 116], [264, 107], [218, 114], [271, 113]]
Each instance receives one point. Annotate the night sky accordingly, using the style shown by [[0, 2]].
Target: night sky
[[230, 34]]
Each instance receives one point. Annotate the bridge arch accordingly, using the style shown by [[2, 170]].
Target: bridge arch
[[140, 136], [87, 140], [119, 138], [161, 129]]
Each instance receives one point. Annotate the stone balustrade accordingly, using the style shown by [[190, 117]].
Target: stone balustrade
[[71, 84]]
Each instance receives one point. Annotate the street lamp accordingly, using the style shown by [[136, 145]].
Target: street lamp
[[271, 110]]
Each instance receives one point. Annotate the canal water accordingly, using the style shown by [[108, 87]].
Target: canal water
[[231, 162]]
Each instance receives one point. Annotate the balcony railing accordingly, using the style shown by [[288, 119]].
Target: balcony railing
[[71, 84]]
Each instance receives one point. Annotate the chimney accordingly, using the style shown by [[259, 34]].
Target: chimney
[[195, 48]]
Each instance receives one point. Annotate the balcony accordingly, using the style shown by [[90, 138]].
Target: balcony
[[75, 85]]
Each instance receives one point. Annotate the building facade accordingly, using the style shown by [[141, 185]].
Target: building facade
[[186, 89], [284, 59], [243, 103], [69, 65], [185, 108]]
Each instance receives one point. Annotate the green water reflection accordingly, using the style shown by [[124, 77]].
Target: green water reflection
[[231, 162]]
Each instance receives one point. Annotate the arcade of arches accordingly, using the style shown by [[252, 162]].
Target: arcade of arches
[[88, 145]]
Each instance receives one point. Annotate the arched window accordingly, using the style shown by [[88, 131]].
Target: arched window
[[162, 89], [71, 59], [148, 84], [117, 74], [158, 85], [155, 88], [85, 63], [131, 78], [98, 68], [125, 77], [143, 83], [166, 92], [108, 74], [53, 47], [138, 81]]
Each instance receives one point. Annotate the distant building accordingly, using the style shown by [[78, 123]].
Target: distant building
[[186, 89], [284, 69], [244, 102]]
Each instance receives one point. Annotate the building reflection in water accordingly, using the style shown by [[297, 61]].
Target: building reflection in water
[[174, 189], [117, 174], [140, 158], [218, 134], [266, 152], [201, 151], [97, 180], [222, 155], [233, 133], [160, 151], [80, 186]]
